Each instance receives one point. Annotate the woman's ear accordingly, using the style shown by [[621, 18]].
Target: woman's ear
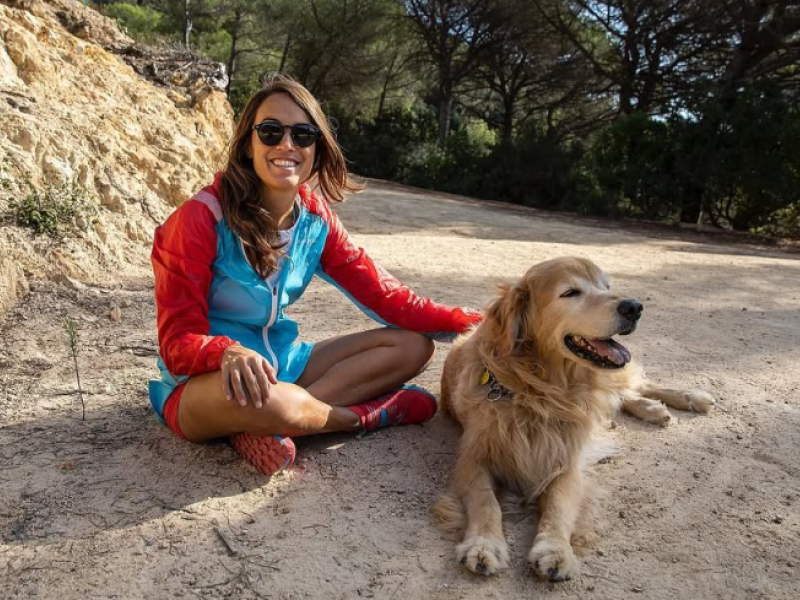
[[511, 314]]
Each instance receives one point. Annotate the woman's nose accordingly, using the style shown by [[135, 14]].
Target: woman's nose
[[286, 140]]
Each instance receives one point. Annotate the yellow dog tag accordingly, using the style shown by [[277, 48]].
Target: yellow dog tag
[[485, 377]]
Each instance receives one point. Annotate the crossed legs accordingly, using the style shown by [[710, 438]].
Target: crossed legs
[[340, 372]]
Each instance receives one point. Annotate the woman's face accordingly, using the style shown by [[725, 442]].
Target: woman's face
[[284, 167]]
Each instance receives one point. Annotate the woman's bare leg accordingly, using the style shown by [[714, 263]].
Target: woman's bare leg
[[352, 369], [340, 372]]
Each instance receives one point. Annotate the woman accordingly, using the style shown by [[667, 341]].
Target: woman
[[229, 261]]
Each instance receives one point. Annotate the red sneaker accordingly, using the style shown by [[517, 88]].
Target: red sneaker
[[270, 454], [409, 404]]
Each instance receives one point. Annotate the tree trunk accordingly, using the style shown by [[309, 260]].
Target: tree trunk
[[285, 53], [385, 89], [187, 23], [237, 22], [507, 127], [445, 109]]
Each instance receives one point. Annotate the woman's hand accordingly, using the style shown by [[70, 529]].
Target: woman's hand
[[246, 375]]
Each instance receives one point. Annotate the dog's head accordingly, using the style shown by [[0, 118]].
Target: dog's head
[[564, 309]]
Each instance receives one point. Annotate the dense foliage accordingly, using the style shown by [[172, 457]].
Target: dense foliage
[[676, 110]]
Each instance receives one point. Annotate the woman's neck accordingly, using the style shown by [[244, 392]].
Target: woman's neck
[[281, 207]]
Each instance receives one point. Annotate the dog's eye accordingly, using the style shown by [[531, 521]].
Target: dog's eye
[[570, 293]]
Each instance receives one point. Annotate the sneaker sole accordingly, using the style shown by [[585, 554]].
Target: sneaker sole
[[269, 454]]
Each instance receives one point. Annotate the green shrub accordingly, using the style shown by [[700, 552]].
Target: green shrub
[[54, 210], [215, 44], [142, 23], [632, 162], [379, 147]]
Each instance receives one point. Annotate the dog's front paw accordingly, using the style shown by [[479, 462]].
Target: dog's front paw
[[655, 413], [554, 561], [485, 556], [700, 400]]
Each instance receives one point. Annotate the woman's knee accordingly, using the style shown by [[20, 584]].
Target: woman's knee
[[416, 349], [293, 410]]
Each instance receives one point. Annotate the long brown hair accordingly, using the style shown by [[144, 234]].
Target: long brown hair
[[241, 186]]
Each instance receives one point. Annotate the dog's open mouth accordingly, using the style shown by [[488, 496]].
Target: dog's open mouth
[[607, 353]]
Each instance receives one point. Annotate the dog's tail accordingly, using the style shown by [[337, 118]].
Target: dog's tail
[[449, 516]]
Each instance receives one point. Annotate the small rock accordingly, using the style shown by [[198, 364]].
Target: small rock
[[637, 589], [778, 520], [115, 314], [622, 514], [68, 282], [590, 588], [101, 231]]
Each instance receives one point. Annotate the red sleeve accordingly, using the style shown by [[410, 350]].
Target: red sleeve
[[184, 249], [374, 288]]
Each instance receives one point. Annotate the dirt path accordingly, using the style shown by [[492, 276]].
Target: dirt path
[[117, 507]]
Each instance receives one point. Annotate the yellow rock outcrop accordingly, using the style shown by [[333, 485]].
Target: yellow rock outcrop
[[72, 109]]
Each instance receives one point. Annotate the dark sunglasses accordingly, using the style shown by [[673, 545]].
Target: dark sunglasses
[[303, 134]]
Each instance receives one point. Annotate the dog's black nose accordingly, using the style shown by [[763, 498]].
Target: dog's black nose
[[630, 309]]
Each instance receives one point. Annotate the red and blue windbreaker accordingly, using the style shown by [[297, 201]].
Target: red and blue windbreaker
[[208, 296]]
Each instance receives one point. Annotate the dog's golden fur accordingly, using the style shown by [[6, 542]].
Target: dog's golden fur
[[535, 442]]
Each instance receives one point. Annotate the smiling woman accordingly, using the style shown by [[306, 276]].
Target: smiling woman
[[229, 261]]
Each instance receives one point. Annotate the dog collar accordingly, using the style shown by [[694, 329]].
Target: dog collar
[[494, 390]]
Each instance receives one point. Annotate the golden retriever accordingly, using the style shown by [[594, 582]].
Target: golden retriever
[[528, 387]]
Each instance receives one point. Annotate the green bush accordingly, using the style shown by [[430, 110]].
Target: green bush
[[534, 169], [783, 223], [215, 44], [55, 210], [379, 148], [736, 164], [401, 146], [142, 23], [632, 163], [750, 160]]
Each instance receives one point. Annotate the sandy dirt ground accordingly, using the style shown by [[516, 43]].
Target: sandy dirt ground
[[117, 507]]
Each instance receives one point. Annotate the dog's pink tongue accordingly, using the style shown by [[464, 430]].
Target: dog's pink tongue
[[612, 350]]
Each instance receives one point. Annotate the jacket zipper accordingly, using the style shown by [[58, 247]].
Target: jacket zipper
[[265, 331]]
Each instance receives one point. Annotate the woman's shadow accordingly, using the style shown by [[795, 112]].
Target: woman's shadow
[[64, 478]]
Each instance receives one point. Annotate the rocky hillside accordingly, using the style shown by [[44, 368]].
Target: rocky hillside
[[136, 130]]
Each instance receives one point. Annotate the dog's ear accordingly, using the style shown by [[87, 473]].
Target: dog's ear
[[511, 314]]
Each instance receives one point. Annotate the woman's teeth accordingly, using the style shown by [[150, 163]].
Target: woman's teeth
[[288, 164]]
